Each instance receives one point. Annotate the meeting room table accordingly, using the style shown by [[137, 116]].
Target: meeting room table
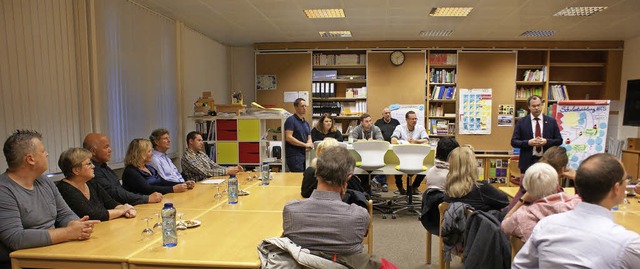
[[626, 214], [227, 237]]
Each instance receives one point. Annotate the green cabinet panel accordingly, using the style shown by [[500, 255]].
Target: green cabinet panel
[[248, 130], [227, 152]]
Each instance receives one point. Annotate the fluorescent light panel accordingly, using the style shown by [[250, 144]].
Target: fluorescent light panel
[[579, 11], [539, 33], [335, 33], [324, 13], [437, 33], [450, 11]]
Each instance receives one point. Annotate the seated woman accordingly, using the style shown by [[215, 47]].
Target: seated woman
[[325, 128], [462, 186], [87, 199], [140, 177], [540, 200], [309, 181], [437, 174]]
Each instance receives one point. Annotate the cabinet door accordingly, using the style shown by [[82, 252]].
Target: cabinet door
[[248, 130], [630, 161], [249, 152], [227, 152], [227, 130]]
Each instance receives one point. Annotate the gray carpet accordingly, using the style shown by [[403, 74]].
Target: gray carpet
[[402, 242]]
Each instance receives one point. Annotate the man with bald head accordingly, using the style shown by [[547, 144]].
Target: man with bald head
[[587, 236], [100, 148]]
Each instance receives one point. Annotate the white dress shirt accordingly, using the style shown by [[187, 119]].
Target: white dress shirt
[[165, 167], [533, 130]]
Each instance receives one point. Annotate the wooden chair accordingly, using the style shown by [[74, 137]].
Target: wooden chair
[[516, 245], [442, 208], [429, 247], [369, 238], [513, 172]]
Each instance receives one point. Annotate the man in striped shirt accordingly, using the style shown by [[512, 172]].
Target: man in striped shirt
[[196, 165]]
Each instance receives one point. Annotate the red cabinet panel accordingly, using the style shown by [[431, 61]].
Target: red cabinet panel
[[249, 152], [227, 130]]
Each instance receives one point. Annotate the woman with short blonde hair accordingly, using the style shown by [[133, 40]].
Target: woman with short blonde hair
[[142, 178]]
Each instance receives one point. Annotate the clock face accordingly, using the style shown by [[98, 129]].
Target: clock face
[[397, 57]]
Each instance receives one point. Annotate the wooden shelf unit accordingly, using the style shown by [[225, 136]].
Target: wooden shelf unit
[[441, 80]]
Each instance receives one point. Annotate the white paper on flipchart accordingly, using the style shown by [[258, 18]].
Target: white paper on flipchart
[[290, 97]]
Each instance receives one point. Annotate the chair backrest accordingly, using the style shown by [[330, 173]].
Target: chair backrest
[[369, 238], [371, 152], [411, 156], [513, 173]]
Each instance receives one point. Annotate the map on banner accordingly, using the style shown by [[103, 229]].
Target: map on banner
[[583, 126], [475, 111]]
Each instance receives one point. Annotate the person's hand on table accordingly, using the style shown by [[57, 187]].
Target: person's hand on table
[[182, 187], [637, 188], [155, 197], [190, 184], [233, 170], [80, 229]]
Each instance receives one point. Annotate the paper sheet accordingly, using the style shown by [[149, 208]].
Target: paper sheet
[[212, 181]]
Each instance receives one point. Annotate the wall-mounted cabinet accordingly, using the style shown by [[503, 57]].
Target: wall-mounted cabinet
[[242, 140], [441, 93], [339, 86]]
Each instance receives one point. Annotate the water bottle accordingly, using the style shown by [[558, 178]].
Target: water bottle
[[265, 173], [232, 189], [169, 234]]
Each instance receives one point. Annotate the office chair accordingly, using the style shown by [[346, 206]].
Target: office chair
[[411, 163], [372, 158]]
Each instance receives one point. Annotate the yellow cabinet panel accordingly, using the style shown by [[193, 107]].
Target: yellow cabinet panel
[[227, 152], [248, 130]]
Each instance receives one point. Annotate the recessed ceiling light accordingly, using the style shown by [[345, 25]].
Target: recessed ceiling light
[[579, 11], [539, 33], [436, 33], [324, 13], [335, 33], [450, 11]]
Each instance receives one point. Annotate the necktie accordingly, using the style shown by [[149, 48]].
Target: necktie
[[538, 148]]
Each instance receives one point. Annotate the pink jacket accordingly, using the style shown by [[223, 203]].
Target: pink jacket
[[520, 224]]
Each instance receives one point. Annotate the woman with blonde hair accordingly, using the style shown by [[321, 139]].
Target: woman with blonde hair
[[541, 199], [82, 196], [462, 185], [140, 177], [325, 129], [309, 181]]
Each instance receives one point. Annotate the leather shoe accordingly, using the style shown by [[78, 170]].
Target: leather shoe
[[402, 191], [385, 188], [415, 190]]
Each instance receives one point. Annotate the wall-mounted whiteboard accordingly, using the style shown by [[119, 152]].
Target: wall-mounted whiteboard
[[399, 111]]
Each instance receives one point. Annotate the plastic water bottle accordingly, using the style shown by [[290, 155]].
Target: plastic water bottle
[[232, 189], [265, 173], [169, 233]]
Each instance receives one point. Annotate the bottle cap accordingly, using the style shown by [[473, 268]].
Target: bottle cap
[[168, 204]]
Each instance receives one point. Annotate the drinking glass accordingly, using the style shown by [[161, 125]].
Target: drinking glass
[[181, 225], [159, 223], [218, 194], [147, 232]]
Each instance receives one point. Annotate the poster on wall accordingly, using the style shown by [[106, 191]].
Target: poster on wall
[[583, 125], [475, 111], [266, 82], [505, 115], [399, 111]]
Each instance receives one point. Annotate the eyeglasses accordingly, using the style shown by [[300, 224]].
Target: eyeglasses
[[87, 164]]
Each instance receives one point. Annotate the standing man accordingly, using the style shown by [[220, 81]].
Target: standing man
[[196, 165], [161, 161], [100, 148], [587, 236], [387, 124], [411, 133], [323, 222], [32, 211], [534, 134], [297, 137], [366, 130]]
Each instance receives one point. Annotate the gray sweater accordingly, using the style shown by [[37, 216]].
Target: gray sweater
[[26, 215], [359, 133]]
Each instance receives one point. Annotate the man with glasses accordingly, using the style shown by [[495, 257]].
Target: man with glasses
[[586, 237], [410, 133]]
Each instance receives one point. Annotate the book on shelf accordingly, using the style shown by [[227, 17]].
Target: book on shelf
[[536, 75], [558, 92], [442, 76], [441, 127], [339, 59], [525, 92], [443, 59], [443, 92]]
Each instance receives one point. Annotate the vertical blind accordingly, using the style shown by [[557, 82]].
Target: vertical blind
[[39, 87], [136, 56]]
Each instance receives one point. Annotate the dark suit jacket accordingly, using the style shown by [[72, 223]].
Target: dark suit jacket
[[523, 132]]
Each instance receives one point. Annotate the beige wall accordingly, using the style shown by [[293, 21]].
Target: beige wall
[[241, 65], [630, 70]]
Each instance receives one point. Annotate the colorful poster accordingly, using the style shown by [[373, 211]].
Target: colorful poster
[[583, 126], [475, 111]]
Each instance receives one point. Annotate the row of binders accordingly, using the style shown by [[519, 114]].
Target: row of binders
[[339, 59], [525, 92], [443, 59], [443, 93], [323, 89], [442, 76], [558, 92], [533, 75], [339, 108]]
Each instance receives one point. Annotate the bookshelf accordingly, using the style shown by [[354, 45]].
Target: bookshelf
[[441, 93], [531, 77], [581, 74], [339, 86]]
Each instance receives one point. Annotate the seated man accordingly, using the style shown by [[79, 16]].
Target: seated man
[[33, 211], [586, 237], [366, 130], [100, 148], [410, 133], [437, 174], [196, 165], [160, 160], [323, 222]]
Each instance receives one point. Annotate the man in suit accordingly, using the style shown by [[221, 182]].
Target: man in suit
[[534, 134]]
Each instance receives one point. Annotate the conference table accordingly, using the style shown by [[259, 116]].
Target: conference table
[[227, 237], [627, 214]]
